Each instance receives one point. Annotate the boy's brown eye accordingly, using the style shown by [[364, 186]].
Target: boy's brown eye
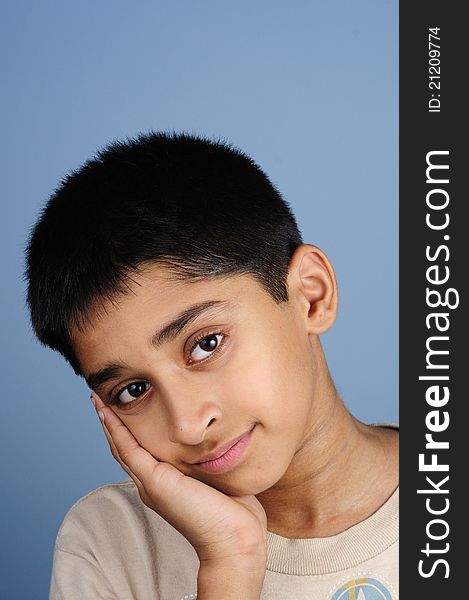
[[204, 347], [209, 343], [136, 389], [131, 392]]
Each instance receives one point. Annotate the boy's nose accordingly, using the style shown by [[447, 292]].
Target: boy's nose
[[190, 417]]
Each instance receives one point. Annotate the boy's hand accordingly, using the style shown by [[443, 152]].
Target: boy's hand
[[221, 528]]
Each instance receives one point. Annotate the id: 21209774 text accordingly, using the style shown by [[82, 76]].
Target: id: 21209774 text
[[434, 70]]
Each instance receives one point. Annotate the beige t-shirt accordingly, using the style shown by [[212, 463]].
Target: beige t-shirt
[[112, 546]]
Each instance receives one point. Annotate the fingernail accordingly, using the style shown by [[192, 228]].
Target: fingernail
[[101, 415]]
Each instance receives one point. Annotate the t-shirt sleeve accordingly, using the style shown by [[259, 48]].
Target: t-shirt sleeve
[[76, 578]]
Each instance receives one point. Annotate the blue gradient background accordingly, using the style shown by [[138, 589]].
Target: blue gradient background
[[308, 89]]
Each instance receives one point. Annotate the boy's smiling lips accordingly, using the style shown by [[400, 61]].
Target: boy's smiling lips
[[221, 449]]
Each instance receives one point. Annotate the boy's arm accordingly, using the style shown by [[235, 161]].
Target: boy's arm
[[231, 580]]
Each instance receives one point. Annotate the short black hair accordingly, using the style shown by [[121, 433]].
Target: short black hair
[[201, 207]]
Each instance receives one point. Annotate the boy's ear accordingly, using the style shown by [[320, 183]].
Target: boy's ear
[[311, 281]]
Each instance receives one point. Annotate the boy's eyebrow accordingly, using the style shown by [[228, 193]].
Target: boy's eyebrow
[[110, 371], [172, 329], [164, 335]]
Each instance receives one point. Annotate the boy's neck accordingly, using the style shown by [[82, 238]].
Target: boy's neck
[[343, 473]]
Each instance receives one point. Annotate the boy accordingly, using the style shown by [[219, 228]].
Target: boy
[[172, 276]]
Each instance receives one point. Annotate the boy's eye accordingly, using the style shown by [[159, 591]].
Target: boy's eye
[[204, 347], [131, 392]]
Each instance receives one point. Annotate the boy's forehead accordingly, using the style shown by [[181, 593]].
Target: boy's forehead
[[156, 291], [170, 287]]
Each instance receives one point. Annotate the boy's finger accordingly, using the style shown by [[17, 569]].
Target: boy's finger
[[113, 449], [98, 404], [115, 454], [140, 462]]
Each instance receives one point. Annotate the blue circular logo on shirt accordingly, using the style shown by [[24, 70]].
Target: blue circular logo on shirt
[[362, 589]]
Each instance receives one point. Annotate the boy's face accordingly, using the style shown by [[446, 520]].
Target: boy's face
[[241, 361]]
